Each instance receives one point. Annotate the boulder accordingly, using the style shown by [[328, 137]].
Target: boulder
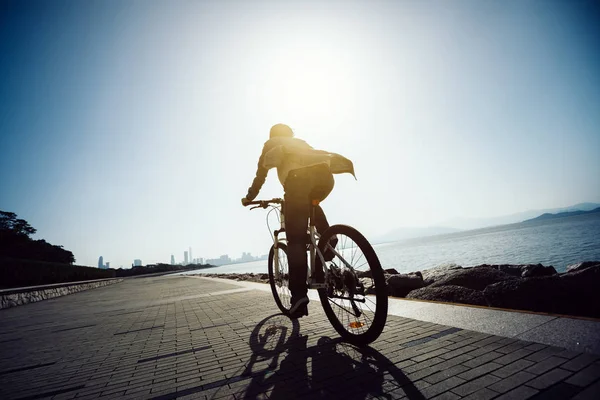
[[582, 265], [368, 284], [386, 272], [574, 293], [543, 294], [524, 270], [449, 293], [476, 278], [586, 277], [533, 270], [514, 270], [581, 294], [400, 285], [364, 274], [433, 274]]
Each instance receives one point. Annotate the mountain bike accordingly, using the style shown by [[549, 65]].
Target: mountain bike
[[350, 280]]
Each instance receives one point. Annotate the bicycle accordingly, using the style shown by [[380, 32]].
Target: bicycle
[[357, 290]]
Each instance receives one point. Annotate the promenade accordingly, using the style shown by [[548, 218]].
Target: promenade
[[173, 337]]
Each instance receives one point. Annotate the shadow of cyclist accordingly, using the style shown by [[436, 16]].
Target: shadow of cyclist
[[285, 366]]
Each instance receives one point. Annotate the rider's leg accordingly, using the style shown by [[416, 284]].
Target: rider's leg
[[321, 224], [323, 183], [297, 208], [296, 220]]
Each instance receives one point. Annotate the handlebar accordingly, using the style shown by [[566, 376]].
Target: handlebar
[[264, 203]]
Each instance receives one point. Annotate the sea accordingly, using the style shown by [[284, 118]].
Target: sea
[[558, 242]]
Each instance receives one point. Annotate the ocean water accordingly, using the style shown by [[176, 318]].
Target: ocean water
[[558, 242]]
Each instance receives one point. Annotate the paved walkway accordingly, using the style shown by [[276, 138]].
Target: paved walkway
[[176, 337]]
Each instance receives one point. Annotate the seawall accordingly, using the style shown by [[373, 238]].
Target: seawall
[[24, 295]]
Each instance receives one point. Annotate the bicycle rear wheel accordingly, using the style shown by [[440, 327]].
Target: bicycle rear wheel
[[355, 300], [280, 283]]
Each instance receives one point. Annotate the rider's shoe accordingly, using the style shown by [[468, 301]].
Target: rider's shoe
[[328, 255], [301, 312], [299, 308]]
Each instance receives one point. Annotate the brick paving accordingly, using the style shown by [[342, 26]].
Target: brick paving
[[189, 338]]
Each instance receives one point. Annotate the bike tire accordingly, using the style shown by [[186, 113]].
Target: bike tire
[[280, 289], [350, 327]]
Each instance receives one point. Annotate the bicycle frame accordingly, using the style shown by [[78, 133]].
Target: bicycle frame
[[313, 249]]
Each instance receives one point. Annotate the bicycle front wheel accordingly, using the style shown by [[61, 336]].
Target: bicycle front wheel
[[355, 298], [279, 278]]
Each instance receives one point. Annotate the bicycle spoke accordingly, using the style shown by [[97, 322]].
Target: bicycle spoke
[[361, 256], [351, 312], [354, 254]]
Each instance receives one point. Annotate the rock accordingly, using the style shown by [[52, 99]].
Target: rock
[[524, 270], [366, 274], [368, 284], [433, 274], [476, 278], [386, 273], [400, 285], [582, 265], [264, 277], [580, 292], [514, 270], [543, 294], [449, 293], [528, 271]]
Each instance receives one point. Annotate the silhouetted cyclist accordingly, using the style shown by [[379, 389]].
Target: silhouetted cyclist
[[306, 175]]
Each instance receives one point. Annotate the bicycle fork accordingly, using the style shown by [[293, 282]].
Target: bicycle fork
[[276, 248]]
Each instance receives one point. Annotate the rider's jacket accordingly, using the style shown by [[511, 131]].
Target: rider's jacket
[[290, 153]]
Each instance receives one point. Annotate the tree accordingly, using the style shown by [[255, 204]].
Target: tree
[[16, 243], [11, 225]]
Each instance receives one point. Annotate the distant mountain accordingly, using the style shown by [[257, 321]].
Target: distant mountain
[[476, 223], [546, 216], [467, 224], [412, 233]]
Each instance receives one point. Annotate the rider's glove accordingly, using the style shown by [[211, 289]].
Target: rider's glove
[[245, 201]]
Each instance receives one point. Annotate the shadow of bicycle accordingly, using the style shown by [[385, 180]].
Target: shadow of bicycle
[[283, 365]]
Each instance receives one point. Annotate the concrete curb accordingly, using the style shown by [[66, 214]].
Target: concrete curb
[[31, 294]]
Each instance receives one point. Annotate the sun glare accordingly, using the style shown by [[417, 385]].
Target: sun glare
[[310, 83]]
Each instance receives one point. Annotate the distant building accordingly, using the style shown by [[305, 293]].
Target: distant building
[[172, 259], [137, 263], [246, 257], [223, 260], [191, 259], [101, 262], [107, 266], [185, 258]]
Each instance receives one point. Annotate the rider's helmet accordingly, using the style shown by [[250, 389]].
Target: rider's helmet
[[281, 130]]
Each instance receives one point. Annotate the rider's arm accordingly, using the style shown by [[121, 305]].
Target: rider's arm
[[259, 179]]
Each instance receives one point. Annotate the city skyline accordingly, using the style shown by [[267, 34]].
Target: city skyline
[[221, 260]]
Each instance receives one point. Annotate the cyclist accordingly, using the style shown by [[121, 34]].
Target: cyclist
[[306, 176]]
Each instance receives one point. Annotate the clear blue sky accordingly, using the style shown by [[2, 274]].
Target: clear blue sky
[[132, 129]]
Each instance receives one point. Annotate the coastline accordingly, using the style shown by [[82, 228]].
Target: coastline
[[525, 287]]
